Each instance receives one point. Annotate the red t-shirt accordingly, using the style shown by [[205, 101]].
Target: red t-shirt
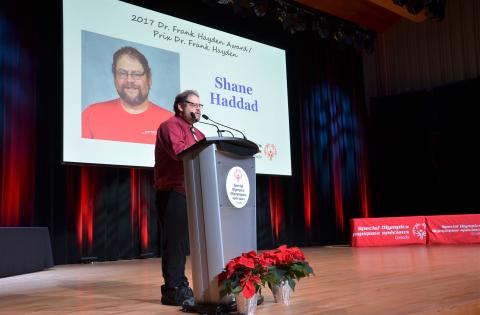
[[173, 136], [109, 121]]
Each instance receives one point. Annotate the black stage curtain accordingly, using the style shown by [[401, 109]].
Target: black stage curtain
[[424, 152], [109, 212]]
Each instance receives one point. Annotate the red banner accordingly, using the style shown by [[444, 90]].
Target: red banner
[[453, 229], [388, 231]]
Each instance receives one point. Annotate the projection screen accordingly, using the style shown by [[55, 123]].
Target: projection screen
[[242, 84]]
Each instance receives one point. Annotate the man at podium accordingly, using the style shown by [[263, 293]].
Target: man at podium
[[173, 136]]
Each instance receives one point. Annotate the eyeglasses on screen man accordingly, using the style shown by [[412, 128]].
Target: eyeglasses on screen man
[[122, 74]]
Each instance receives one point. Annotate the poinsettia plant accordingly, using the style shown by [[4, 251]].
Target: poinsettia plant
[[285, 264], [245, 274]]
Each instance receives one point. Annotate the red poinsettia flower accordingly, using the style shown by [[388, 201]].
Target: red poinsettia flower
[[286, 264], [248, 272], [243, 274], [268, 258], [240, 262], [297, 254], [248, 285]]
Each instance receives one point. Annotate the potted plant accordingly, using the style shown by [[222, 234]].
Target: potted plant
[[243, 276], [285, 266]]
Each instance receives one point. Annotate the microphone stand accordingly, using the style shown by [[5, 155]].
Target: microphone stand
[[219, 132], [207, 118], [233, 136]]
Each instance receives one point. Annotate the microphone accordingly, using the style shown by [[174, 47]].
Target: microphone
[[207, 118], [219, 132]]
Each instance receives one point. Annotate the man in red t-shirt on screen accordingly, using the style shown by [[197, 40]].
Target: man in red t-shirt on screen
[[132, 117]]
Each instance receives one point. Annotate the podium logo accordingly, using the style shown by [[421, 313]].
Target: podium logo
[[270, 151], [238, 174], [238, 187], [419, 230]]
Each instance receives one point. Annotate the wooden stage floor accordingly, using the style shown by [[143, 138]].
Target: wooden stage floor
[[387, 280]]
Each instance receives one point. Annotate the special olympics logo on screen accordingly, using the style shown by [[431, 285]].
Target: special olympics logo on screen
[[420, 230], [270, 151]]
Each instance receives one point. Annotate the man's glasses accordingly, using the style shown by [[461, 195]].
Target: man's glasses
[[122, 74], [194, 105]]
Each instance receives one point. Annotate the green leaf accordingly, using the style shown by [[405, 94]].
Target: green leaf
[[237, 290], [291, 283], [309, 269], [223, 293], [279, 273]]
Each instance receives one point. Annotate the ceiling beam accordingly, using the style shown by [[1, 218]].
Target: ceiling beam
[[378, 15], [389, 5]]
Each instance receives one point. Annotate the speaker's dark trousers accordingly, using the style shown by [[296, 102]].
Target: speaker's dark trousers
[[172, 215]]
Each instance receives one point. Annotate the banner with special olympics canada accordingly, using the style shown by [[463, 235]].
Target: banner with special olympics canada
[[389, 231], [453, 229]]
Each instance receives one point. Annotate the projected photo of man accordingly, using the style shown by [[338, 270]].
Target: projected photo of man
[[131, 117]]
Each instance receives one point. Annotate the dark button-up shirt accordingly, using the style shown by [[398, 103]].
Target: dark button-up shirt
[[173, 136]]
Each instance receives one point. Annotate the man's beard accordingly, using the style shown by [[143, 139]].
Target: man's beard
[[132, 101]]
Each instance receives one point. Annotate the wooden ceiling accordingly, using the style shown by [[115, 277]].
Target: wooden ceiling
[[378, 15]]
